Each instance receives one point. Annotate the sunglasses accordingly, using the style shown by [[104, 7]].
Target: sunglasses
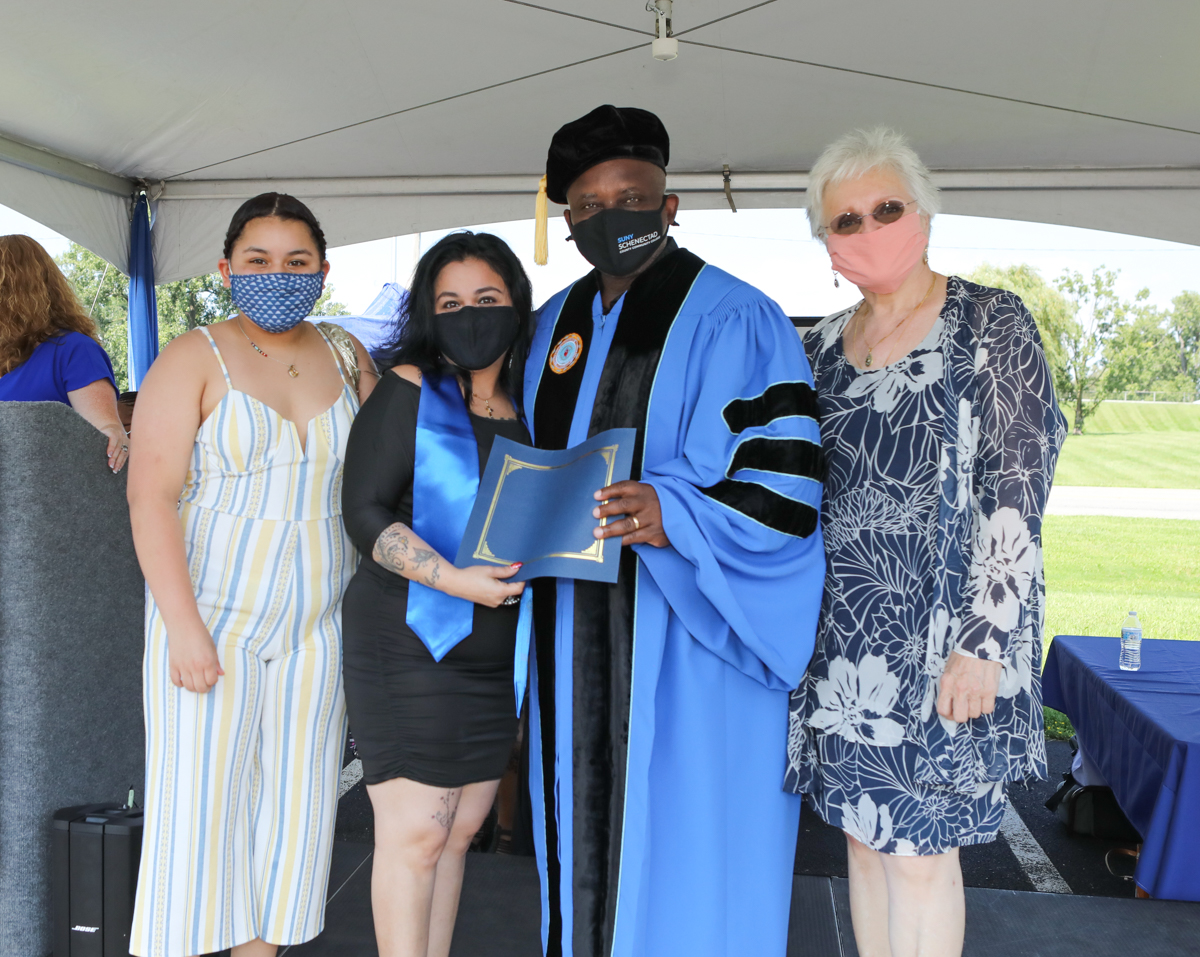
[[885, 213]]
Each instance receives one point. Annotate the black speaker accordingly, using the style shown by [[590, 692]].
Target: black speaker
[[95, 858]]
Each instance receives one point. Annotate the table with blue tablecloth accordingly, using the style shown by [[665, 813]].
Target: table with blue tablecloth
[[1142, 730]]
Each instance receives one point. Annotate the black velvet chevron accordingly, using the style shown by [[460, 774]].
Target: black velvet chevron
[[602, 650], [786, 456], [779, 400], [766, 506]]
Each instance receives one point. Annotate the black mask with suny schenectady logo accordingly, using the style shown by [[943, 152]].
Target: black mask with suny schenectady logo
[[620, 241]]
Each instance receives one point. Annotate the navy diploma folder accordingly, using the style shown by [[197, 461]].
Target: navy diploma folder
[[535, 506]]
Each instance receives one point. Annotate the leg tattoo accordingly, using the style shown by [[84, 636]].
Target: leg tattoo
[[448, 811]]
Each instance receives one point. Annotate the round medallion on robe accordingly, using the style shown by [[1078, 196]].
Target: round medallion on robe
[[566, 353]]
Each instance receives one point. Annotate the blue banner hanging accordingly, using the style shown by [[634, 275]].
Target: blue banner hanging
[[143, 308]]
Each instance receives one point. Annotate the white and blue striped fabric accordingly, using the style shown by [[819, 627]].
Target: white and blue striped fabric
[[242, 782]]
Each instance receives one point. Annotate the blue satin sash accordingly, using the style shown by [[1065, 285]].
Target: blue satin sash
[[445, 483]]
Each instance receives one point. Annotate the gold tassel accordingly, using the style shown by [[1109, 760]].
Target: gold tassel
[[541, 246]]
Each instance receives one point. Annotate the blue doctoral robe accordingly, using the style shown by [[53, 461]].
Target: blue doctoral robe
[[658, 718]]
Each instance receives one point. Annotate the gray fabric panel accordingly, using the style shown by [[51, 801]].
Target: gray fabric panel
[[71, 611]]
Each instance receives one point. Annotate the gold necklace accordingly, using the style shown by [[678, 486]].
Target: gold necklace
[[486, 403], [862, 335], [292, 371]]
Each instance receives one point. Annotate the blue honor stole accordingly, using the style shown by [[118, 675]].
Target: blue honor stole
[[445, 483]]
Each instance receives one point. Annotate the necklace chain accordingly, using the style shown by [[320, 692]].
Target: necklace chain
[[291, 366], [486, 403], [862, 335]]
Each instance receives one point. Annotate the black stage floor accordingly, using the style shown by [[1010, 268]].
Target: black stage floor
[[1095, 913], [500, 917]]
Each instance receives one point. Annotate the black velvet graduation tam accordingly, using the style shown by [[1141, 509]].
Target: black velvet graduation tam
[[608, 132]]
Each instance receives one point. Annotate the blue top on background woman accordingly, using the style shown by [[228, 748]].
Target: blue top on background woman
[[49, 346]]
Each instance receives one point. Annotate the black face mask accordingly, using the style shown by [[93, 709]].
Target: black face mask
[[474, 337], [619, 241]]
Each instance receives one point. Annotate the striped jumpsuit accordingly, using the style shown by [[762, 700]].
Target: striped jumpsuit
[[242, 782]]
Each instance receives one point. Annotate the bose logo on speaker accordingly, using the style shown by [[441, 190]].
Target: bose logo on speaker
[[86, 930]]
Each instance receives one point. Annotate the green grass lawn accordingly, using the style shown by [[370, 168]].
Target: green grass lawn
[[1099, 567], [1135, 445], [1143, 417], [1131, 460]]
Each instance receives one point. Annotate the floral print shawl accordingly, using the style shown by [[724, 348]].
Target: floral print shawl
[[1001, 435]]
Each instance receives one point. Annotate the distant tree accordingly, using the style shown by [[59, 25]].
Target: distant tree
[[191, 303], [104, 291], [326, 307], [1049, 308], [1141, 354], [1183, 328], [182, 305], [1097, 313]]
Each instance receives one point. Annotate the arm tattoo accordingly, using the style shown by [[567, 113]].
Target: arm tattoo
[[395, 552], [391, 548], [423, 557]]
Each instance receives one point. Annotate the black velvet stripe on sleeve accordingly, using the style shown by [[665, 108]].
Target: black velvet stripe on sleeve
[[778, 401], [785, 456], [766, 506]]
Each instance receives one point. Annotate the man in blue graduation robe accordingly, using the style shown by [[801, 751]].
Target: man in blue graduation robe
[[658, 716]]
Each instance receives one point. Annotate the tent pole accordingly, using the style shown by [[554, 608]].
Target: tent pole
[[61, 167]]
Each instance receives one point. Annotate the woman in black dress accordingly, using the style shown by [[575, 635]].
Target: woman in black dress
[[434, 736]]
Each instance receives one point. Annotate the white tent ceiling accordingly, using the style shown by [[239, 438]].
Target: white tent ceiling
[[393, 117]]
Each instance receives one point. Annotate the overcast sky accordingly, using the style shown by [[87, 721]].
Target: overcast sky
[[772, 249]]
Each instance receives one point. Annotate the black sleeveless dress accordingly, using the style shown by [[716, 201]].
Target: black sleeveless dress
[[446, 723]]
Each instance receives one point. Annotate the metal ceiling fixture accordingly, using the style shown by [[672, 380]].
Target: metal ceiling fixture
[[664, 45]]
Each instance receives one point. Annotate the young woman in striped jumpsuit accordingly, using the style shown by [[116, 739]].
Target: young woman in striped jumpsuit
[[235, 499]]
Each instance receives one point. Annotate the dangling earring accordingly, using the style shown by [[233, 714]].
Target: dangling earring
[[835, 282], [926, 256]]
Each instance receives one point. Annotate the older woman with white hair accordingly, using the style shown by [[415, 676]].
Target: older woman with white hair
[[941, 432]]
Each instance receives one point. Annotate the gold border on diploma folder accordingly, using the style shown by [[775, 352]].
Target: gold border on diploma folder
[[593, 553]]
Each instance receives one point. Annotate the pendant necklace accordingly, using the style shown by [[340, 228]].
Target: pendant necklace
[[862, 336], [487, 404], [292, 371]]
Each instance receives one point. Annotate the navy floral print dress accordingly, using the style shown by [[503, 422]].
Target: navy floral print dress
[[939, 468]]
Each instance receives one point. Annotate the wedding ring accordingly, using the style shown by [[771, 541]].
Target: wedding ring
[[636, 524], [512, 599], [124, 448]]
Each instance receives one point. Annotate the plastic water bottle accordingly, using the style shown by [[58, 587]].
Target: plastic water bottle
[[1131, 643]]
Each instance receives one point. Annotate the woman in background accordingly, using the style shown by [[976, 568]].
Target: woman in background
[[430, 648], [49, 346], [941, 432], [236, 513]]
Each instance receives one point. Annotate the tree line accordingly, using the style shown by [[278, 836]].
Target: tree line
[[183, 305], [1097, 343], [1100, 345]]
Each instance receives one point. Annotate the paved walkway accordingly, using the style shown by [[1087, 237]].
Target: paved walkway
[[1125, 502]]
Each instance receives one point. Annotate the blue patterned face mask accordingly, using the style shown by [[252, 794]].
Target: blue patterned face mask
[[276, 301]]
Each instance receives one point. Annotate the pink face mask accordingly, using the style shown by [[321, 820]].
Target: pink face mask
[[879, 261]]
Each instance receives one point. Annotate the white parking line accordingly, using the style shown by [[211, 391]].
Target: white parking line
[[1029, 854], [351, 775]]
